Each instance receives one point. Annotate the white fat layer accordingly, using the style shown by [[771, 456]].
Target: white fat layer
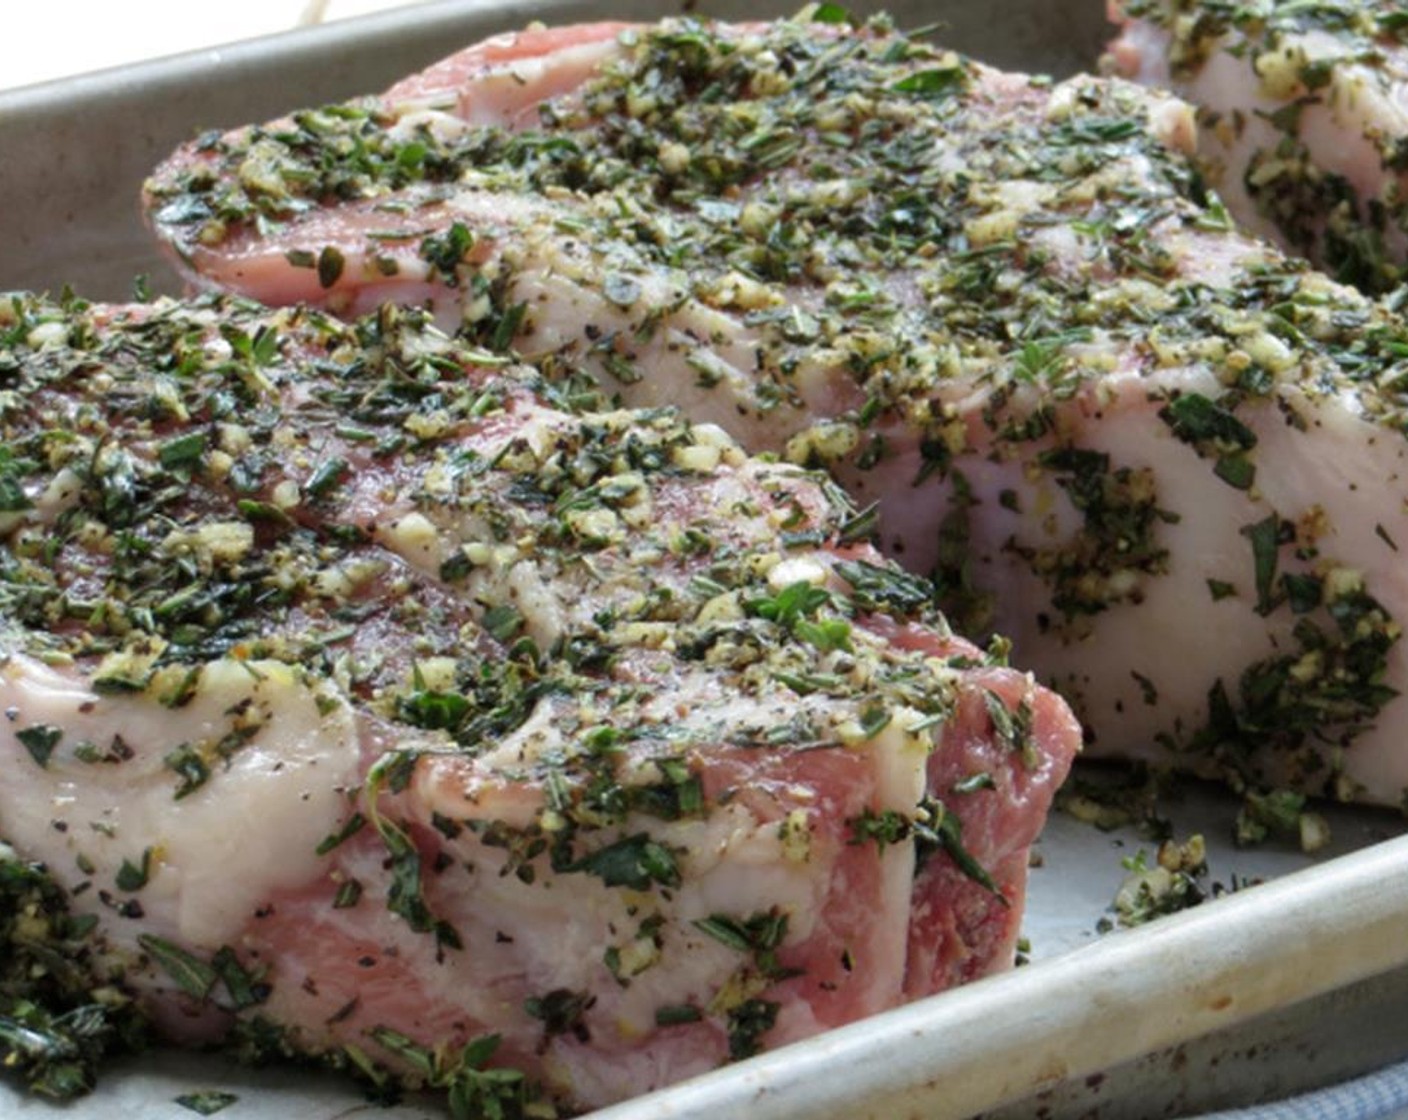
[[1310, 475], [738, 860], [1240, 93], [732, 862], [218, 853]]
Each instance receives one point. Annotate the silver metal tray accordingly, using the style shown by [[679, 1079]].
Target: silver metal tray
[[1260, 993]]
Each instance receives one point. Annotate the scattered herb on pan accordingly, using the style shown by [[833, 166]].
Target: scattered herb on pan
[[1175, 881], [207, 1102]]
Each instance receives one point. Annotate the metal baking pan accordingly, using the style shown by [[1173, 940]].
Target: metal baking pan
[[1260, 993]]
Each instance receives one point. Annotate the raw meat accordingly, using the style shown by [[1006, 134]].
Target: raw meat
[[377, 700], [1163, 458], [1304, 115]]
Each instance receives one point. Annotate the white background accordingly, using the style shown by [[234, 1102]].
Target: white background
[[41, 40]]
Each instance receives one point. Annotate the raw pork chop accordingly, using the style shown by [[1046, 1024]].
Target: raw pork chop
[[378, 702], [1304, 114], [1163, 458]]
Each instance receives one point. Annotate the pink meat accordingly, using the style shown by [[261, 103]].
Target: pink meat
[[505, 78]]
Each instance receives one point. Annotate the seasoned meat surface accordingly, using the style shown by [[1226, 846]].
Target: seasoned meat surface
[[371, 698], [1304, 118], [1164, 458]]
